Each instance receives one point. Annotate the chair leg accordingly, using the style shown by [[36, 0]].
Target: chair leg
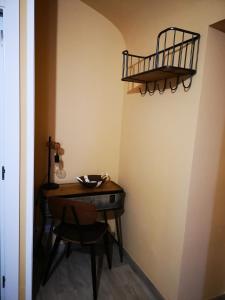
[[50, 236], [93, 271], [68, 250], [105, 217], [107, 252], [51, 258], [119, 236]]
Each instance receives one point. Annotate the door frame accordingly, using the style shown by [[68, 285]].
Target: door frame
[[14, 266], [29, 138]]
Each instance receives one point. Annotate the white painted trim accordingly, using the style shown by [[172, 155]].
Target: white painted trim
[[29, 147], [2, 163], [12, 148]]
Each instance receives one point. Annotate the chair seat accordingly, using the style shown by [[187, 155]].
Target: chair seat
[[90, 233]]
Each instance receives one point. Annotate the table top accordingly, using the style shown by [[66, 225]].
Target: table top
[[78, 190]]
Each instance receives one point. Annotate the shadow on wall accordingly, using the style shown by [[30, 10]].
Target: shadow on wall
[[215, 269], [161, 87], [45, 83], [45, 106], [215, 272], [45, 94]]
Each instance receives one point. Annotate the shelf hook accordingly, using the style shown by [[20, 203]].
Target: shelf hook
[[145, 91], [151, 92], [187, 87], [164, 87], [173, 89]]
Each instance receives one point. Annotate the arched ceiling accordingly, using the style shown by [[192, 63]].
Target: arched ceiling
[[120, 12], [132, 17]]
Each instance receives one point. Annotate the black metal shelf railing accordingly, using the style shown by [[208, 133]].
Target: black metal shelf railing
[[176, 57]]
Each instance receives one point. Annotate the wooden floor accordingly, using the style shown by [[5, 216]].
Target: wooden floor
[[72, 280]]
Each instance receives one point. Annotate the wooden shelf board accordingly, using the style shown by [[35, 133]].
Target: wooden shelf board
[[159, 74]]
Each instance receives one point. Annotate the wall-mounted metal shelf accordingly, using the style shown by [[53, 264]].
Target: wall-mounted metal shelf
[[172, 65]]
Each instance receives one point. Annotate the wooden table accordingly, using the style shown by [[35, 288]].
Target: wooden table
[[78, 190], [110, 200]]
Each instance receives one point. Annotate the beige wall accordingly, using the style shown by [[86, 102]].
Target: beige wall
[[157, 151], [206, 186], [89, 92], [162, 136]]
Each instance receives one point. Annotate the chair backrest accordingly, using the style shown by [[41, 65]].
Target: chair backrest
[[72, 212]]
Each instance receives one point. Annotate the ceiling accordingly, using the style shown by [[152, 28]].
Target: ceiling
[[129, 15], [122, 13]]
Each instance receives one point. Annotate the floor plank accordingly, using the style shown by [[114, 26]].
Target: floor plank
[[72, 280]]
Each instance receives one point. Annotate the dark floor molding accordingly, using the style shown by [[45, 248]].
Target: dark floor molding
[[142, 276], [221, 297]]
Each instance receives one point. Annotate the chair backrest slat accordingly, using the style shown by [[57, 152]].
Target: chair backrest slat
[[63, 209]]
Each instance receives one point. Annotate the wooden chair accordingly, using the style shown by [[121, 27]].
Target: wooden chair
[[77, 225]]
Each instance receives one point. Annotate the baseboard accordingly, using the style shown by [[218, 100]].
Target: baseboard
[[220, 297], [142, 276]]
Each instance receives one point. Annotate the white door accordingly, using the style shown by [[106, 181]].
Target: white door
[[9, 149], [2, 122]]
